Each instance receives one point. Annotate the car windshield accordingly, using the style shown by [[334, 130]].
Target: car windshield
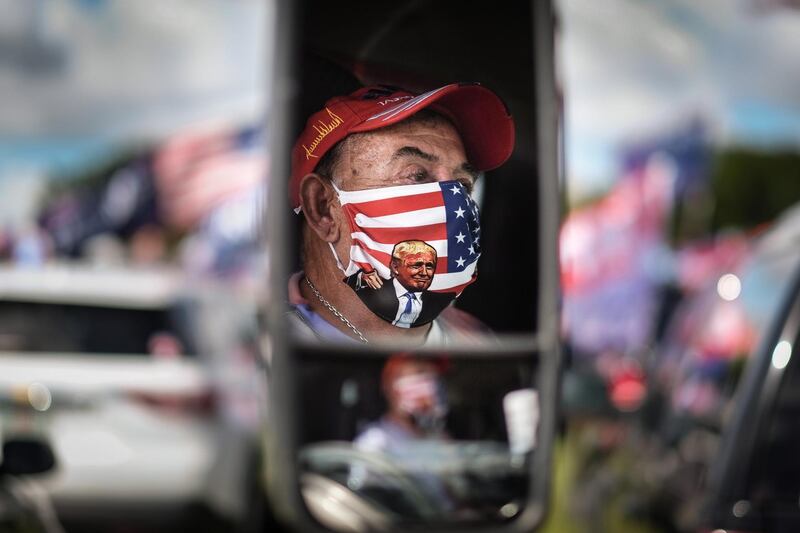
[[68, 328], [769, 273]]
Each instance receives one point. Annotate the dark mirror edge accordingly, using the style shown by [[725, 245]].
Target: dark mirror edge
[[548, 131], [507, 347], [279, 436]]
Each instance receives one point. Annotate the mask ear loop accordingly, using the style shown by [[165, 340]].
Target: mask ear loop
[[330, 245], [336, 256]]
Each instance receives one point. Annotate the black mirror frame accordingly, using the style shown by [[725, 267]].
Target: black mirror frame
[[281, 469]]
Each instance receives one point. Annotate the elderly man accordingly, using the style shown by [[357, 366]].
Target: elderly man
[[379, 167]]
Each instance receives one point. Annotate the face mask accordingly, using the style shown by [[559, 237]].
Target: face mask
[[415, 248], [422, 397]]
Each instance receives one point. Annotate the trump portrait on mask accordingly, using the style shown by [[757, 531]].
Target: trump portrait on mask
[[404, 300]]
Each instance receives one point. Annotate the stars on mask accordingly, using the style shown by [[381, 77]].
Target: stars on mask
[[463, 227]]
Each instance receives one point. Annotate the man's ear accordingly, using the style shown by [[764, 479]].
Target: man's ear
[[317, 198]]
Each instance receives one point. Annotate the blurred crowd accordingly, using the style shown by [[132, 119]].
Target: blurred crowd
[[194, 202]]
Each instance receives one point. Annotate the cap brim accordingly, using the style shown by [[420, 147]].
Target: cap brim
[[479, 115]]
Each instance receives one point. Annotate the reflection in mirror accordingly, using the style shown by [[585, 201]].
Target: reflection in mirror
[[408, 439], [413, 174], [383, 181]]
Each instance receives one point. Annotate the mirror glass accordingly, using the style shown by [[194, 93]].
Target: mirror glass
[[409, 438], [476, 232]]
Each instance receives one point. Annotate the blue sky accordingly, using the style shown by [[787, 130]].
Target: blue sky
[[636, 69], [107, 73], [122, 71], [81, 80], [62, 156]]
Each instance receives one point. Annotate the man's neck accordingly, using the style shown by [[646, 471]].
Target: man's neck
[[403, 420], [321, 269]]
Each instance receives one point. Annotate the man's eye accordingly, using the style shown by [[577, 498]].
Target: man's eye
[[418, 176]]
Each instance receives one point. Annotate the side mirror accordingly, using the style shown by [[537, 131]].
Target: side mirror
[[25, 456], [473, 446]]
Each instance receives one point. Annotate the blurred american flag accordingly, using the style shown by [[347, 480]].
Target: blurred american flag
[[201, 169]]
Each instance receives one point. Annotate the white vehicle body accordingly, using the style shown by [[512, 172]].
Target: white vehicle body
[[129, 431]]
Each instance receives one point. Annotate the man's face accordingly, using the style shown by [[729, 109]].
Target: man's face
[[415, 271], [403, 154], [413, 387]]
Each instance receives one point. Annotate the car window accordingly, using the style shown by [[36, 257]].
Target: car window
[[49, 327], [766, 277]]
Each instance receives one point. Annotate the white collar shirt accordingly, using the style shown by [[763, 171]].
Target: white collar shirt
[[403, 319]]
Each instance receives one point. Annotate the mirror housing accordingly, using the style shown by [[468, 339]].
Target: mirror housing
[[536, 303]]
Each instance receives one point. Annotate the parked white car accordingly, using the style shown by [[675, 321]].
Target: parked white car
[[113, 366]]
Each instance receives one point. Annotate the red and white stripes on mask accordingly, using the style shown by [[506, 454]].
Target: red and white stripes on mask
[[442, 214]]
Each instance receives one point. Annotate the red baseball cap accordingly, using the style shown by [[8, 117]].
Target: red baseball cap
[[396, 361], [479, 115]]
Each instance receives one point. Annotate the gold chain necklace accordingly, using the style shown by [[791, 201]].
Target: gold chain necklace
[[335, 311]]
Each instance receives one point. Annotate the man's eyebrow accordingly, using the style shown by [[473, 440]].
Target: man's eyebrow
[[413, 151]]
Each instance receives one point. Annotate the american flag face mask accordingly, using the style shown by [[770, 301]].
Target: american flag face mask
[[415, 248]]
